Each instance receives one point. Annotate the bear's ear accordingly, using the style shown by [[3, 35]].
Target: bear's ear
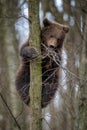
[[46, 22], [66, 29]]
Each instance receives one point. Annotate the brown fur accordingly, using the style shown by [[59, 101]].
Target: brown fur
[[52, 37]]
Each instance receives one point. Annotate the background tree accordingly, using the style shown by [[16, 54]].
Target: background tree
[[9, 64]]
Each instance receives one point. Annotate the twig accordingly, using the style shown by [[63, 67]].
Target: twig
[[10, 111]]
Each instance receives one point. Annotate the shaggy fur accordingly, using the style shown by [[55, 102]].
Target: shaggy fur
[[52, 37]]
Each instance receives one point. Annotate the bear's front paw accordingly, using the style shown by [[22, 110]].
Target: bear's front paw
[[34, 53], [28, 52]]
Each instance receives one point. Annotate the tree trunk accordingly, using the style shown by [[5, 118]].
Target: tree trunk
[[82, 124], [8, 66], [35, 67], [4, 78]]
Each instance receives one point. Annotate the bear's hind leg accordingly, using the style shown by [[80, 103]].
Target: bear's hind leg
[[48, 92]]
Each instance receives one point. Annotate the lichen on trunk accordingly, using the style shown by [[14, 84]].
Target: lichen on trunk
[[35, 67]]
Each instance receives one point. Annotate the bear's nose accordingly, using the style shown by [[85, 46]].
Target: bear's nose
[[52, 42], [51, 46]]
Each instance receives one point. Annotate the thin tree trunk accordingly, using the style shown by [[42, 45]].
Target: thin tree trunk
[[4, 78], [35, 68], [82, 124]]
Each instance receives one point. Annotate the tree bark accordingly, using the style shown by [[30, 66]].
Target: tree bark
[[82, 124], [35, 67]]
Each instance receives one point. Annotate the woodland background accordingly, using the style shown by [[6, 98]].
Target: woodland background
[[68, 110]]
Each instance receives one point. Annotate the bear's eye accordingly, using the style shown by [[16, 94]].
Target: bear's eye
[[51, 36], [59, 40]]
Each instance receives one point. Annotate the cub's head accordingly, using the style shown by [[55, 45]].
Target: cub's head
[[53, 34]]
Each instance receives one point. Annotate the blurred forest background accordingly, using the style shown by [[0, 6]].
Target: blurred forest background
[[68, 110]]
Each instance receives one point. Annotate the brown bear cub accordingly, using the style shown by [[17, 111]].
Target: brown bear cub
[[52, 37]]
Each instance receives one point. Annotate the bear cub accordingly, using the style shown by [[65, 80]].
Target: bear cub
[[52, 38]]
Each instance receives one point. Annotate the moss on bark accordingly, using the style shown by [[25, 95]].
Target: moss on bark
[[35, 67]]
